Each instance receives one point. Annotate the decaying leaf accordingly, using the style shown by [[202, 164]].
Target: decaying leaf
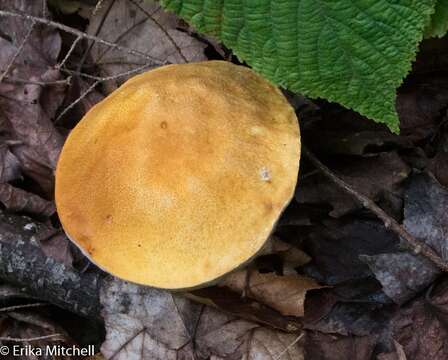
[[319, 346], [336, 245], [285, 294], [26, 107], [404, 274], [421, 327], [9, 165], [145, 323], [376, 177], [15, 199], [142, 26]]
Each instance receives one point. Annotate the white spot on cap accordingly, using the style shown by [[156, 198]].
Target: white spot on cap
[[265, 174]]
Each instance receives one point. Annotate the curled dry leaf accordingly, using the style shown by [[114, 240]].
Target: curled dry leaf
[[146, 323], [285, 294], [142, 26]]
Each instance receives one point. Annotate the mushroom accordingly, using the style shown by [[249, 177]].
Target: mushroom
[[179, 176]]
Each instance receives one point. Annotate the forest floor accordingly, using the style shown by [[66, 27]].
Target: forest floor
[[355, 267]]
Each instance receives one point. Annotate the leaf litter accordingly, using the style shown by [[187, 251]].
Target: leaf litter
[[334, 283]]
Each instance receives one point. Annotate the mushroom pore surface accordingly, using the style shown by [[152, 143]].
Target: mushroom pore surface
[[180, 175]]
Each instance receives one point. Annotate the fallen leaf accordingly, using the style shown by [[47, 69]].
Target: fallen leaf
[[375, 176], [420, 327], [26, 107], [285, 294], [438, 166], [398, 354], [290, 255], [320, 346], [425, 212], [232, 303], [335, 247], [9, 165], [420, 103], [55, 244], [403, 274], [146, 323], [141, 26], [18, 200]]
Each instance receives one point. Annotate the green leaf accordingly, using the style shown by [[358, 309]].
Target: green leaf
[[438, 26], [354, 52]]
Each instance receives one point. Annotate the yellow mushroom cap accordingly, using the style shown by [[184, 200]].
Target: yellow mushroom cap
[[178, 177]]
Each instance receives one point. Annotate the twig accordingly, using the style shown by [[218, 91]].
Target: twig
[[17, 53], [154, 20], [289, 346], [76, 32], [30, 339], [41, 83], [82, 96], [417, 246], [20, 307], [96, 83], [97, 31], [69, 52], [98, 6]]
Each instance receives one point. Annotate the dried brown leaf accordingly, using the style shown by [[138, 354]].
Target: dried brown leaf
[[319, 346], [376, 177], [15, 199], [421, 327], [26, 107], [145, 323], [285, 294], [151, 31]]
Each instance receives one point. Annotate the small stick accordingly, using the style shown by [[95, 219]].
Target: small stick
[[29, 339], [416, 245], [69, 52], [20, 307], [97, 82], [289, 346], [76, 32], [166, 33], [15, 80]]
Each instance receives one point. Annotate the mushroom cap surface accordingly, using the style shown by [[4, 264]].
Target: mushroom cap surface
[[179, 176]]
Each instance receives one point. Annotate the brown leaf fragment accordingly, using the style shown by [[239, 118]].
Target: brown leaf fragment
[[9, 165], [27, 106], [398, 354], [232, 303], [419, 105], [285, 294], [438, 165], [142, 26], [376, 177], [233, 339], [319, 346], [403, 274], [15, 199], [145, 323], [290, 255], [55, 244], [421, 327]]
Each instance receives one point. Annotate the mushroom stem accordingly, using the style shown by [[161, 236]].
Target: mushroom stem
[[417, 246]]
